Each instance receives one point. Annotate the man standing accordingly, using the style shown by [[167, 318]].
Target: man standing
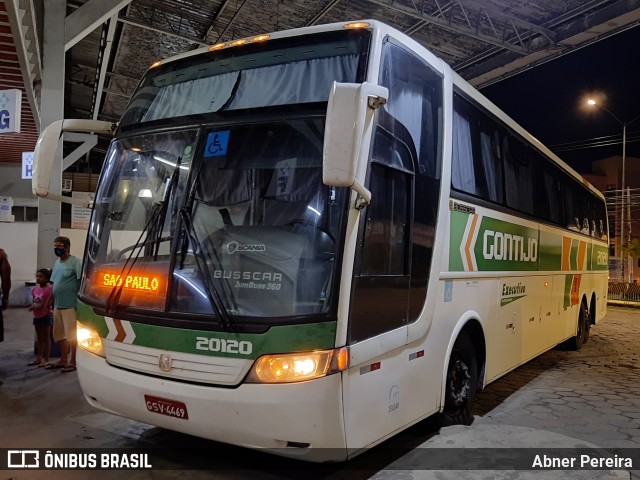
[[65, 277], [5, 281]]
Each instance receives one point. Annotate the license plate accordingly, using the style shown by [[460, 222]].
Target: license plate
[[164, 406]]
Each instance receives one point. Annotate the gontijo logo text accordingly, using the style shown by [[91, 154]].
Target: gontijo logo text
[[490, 244], [504, 246]]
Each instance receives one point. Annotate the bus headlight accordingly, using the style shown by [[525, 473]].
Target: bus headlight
[[89, 340], [298, 367]]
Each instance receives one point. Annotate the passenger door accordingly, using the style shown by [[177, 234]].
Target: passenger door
[[380, 294]]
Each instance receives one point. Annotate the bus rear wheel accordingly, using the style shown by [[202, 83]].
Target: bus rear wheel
[[462, 382], [584, 324]]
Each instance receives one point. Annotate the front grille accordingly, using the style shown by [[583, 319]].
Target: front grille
[[184, 366]]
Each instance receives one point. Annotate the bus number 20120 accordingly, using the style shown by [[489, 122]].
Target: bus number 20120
[[242, 347]]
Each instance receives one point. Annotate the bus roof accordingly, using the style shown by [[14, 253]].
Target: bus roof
[[383, 28], [366, 24]]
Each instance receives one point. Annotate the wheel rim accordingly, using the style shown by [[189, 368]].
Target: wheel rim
[[586, 323], [580, 331], [459, 383]]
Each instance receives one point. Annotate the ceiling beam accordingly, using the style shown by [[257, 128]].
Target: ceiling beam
[[474, 16], [591, 22], [103, 62], [233, 19], [88, 17], [140, 24], [215, 17], [23, 30], [202, 19], [323, 12]]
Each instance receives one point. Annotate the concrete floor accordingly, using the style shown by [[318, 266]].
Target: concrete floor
[[562, 399]]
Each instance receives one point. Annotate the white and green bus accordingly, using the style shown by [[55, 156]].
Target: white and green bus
[[310, 240]]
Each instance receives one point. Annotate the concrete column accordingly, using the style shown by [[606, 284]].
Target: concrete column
[[52, 109]]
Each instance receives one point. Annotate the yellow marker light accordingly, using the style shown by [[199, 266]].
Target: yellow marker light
[[155, 64], [297, 367], [357, 25], [342, 359], [217, 46], [237, 43], [260, 38], [89, 340]]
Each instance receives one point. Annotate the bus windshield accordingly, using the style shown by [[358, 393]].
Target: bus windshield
[[277, 72], [231, 224], [227, 220]]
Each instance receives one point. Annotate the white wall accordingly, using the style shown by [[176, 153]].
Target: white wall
[[20, 240], [12, 185]]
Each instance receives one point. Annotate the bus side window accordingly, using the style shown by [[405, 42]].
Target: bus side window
[[477, 156], [519, 175], [549, 196]]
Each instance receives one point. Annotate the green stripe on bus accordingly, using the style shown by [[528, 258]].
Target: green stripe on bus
[[550, 258], [507, 246], [278, 339], [458, 224], [89, 318], [568, 281], [600, 257], [482, 243]]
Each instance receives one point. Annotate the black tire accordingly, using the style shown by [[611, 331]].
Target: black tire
[[587, 329], [461, 383], [582, 335], [591, 320]]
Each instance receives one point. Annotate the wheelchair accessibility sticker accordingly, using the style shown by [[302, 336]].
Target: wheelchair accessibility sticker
[[217, 143]]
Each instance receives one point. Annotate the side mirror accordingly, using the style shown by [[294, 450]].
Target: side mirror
[[45, 152], [350, 110]]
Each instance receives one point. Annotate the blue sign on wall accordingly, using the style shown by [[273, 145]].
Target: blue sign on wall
[[10, 110], [27, 165]]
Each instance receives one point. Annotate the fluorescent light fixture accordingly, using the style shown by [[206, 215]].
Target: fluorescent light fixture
[[164, 160]]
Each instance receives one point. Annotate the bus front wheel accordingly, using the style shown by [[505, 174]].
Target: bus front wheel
[[462, 382]]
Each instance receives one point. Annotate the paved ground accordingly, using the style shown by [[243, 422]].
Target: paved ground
[[563, 399], [592, 395]]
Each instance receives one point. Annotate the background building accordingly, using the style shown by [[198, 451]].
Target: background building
[[607, 177]]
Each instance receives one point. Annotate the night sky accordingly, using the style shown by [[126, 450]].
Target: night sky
[[548, 100]]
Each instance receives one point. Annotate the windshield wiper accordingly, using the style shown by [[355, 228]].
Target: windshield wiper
[[152, 235], [212, 292], [136, 250], [156, 231]]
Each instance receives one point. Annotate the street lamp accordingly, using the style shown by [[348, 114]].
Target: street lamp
[[592, 103]]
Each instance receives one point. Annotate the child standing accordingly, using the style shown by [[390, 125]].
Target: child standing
[[42, 319]]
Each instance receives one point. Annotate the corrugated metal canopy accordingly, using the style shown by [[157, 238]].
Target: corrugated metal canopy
[[483, 40]]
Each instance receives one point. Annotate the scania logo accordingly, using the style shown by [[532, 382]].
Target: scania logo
[[164, 362], [233, 247]]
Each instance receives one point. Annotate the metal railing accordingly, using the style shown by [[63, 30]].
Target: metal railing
[[629, 292]]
